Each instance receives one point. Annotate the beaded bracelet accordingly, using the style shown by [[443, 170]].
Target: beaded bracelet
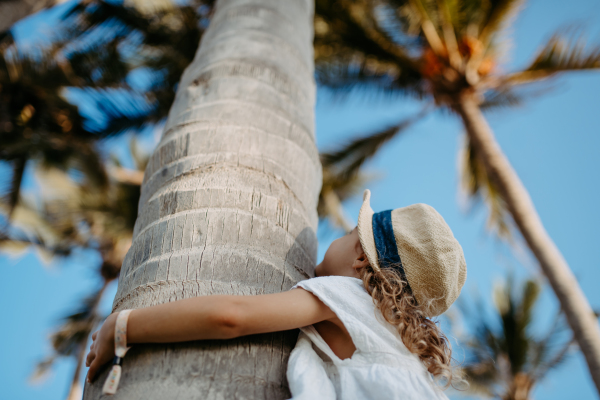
[[113, 378]]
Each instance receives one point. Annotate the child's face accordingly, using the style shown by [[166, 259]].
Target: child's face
[[341, 256]]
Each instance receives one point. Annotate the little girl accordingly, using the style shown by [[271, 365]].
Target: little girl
[[365, 332]]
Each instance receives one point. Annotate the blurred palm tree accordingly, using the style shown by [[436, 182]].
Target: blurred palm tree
[[123, 61], [11, 11], [37, 123], [447, 53], [155, 38], [505, 359], [67, 216]]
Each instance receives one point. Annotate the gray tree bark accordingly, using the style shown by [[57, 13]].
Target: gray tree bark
[[578, 312], [228, 203]]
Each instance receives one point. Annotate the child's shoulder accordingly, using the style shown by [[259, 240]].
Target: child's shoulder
[[331, 284], [330, 280]]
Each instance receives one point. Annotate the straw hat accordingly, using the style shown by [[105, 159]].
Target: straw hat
[[423, 250]]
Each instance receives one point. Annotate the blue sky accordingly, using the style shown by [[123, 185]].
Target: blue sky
[[553, 143]]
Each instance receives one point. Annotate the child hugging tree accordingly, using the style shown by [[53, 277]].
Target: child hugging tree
[[365, 324]]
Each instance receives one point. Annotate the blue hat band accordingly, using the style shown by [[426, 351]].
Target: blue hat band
[[385, 243]]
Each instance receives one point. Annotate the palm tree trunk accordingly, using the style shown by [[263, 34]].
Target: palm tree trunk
[[573, 302], [75, 388], [520, 387], [228, 202]]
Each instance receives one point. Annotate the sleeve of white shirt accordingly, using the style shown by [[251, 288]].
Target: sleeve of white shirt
[[305, 362]]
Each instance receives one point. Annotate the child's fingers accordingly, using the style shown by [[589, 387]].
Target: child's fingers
[[94, 335], [92, 371], [90, 357]]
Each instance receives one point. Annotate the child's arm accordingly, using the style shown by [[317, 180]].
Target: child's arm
[[210, 317]]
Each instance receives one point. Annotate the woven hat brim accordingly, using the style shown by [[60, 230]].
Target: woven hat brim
[[365, 230]]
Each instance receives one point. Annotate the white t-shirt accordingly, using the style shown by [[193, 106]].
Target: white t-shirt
[[381, 368]]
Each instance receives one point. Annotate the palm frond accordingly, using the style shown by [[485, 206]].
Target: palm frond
[[465, 15], [507, 96], [498, 14], [481, 377], [14, 189], [430, 21], [15, 244], [478, 185], [89, 15], [399, 23], [367, 15], [100, 64], [514, 340], [483, 349], [562, 53], [554, 348], [368, 76], [345, 186], [450, 32], [140, 158], [30, 227], [330, 207], [82, 214], [73, 333], [119, 110], [37, 65], [352, 47], [345, 27], [149, 7], [503, 355], [41, 369], [504, 97], [342, 176], [347, 161], [516, 322], [550, 351], [335, 189], [90, 163], [560, 356], [531, 292]]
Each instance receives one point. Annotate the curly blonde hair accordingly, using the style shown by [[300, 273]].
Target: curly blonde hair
[[419, 334]]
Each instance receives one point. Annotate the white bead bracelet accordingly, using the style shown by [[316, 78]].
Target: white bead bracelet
[[112, 380]]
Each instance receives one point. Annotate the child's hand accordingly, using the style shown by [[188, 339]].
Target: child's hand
[[102, 349]]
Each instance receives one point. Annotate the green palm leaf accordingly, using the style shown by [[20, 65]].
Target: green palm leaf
[[368, 77], [351, 49], [70, 338], [503, 353], [14, 189], [32, 227], [497, 15], [479, 187], [342, 176], [560, 54], [347, 161]]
